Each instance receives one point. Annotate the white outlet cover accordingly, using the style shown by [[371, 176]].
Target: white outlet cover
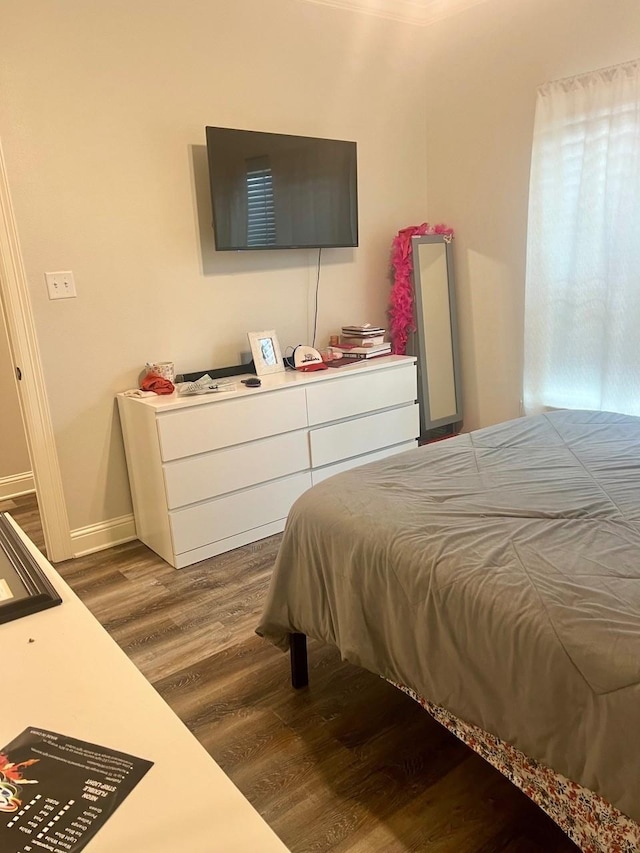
[[61, 285]]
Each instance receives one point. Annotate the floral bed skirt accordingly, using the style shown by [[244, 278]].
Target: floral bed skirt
[[590, 821]]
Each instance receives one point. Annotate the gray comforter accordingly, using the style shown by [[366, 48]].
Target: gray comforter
[[496, 574]]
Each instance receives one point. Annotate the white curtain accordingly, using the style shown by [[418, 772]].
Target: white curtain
[[582, 308]]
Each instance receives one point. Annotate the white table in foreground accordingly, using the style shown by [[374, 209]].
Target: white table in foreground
[[64, 673]]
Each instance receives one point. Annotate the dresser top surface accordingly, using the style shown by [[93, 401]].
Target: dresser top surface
[[271, 382]]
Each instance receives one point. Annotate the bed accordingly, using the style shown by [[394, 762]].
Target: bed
[[495, 577]]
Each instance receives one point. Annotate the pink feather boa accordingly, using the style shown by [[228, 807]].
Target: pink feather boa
[[401, 317]]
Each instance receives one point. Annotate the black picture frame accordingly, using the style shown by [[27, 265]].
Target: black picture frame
[[24, 588]]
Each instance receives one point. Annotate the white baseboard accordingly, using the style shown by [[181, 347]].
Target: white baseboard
[[106, 534], [16, 485]]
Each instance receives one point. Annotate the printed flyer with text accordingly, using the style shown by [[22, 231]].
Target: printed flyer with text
[[56, 792]]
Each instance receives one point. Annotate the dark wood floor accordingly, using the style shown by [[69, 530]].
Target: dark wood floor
[[349, 764]]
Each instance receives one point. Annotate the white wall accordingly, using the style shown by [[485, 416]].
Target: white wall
[[102, 121], [483, 70]]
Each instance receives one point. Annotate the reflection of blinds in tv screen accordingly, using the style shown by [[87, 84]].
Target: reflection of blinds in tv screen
[[273, 191]]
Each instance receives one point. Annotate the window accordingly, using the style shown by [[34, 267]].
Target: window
[[261, 222], [582, 307]]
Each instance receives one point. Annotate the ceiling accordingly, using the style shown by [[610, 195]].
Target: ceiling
[[420, 12]]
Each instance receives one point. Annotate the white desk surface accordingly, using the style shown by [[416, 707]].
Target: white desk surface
[[65, 674]]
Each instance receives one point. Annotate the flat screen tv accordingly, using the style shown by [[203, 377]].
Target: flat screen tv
[[275, 191]]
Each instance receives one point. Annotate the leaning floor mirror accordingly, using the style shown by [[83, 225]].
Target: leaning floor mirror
[[435, 341]]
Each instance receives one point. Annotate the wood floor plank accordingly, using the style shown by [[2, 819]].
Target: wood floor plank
[[348, 765]]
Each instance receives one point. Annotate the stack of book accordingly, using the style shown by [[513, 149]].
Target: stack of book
[[364, 341]]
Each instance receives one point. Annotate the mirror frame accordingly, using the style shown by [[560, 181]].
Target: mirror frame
[[33, 590], [426, 422]]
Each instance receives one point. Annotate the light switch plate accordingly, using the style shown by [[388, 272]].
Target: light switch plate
[[61, 285]]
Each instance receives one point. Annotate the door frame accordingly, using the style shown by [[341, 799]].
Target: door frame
[[25, 352]]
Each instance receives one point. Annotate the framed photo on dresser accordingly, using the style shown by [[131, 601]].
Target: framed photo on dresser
[[265, 350]]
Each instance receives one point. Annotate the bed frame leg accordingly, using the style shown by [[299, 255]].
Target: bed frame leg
[[298, 653]]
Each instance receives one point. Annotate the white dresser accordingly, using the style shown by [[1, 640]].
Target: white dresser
[[216, 471]]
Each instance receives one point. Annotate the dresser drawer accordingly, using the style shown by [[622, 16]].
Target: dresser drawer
[[198, 478], [222, 423], [321, 474], [358, 393], [340, 441], [226, 516]]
